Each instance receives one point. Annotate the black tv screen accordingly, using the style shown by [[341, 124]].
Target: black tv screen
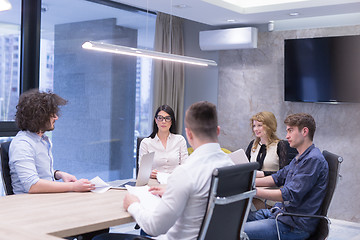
[[323, 69]]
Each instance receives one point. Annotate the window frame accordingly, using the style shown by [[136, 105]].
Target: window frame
[[29, 55], [30, 49]]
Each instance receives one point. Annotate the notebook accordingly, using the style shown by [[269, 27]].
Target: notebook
[[239, 156], [144, 173]]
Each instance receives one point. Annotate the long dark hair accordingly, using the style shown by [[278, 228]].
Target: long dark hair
[[168, 110], [35, 109]]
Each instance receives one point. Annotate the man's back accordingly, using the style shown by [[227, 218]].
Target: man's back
[[183, 205]]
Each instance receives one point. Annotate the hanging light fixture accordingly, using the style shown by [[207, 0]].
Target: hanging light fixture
[[5, 5], [117, 49], [111, 48]]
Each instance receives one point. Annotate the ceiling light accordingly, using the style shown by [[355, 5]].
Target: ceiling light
[[294, 14], [260, 3], [181, 6], [111, 48], [4, 5], [231, 20]]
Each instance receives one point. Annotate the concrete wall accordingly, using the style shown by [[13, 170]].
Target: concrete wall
[[252, 80]]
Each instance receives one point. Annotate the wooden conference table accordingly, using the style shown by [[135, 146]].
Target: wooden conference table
[[49, 216]]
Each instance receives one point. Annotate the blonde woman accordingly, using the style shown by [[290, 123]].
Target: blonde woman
[[266, 148]]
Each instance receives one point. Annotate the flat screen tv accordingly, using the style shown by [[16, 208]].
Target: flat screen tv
[[323, 69]]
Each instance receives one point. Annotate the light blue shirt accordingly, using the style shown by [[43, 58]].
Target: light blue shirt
[[30, 159]]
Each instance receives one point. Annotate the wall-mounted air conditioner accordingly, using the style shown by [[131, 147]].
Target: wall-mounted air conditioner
[[233, 38]]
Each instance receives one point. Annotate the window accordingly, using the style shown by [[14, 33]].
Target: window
[[107, 93], [9, 62], [9, 68]]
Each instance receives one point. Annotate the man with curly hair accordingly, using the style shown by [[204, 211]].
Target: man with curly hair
[[30, 156]]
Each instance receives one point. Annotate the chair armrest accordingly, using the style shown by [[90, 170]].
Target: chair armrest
[[304, 215], [298, 215]]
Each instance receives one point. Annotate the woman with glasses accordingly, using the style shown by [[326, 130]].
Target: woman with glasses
[[170, 148]]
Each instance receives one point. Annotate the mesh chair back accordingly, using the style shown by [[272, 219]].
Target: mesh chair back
[[5, 169], [230, 197]]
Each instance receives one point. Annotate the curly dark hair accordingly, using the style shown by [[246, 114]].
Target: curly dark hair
[[35, 109]]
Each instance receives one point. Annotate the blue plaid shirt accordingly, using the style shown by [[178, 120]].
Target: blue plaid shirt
[[304, 183]]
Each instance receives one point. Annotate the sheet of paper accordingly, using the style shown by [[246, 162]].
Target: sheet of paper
[[147, 199], [100, 185], [162, 177]]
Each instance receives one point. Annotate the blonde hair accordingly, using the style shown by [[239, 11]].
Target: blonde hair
[[269, 124]]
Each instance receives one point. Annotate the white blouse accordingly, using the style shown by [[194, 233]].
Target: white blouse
[[165, 159], [271, 161]]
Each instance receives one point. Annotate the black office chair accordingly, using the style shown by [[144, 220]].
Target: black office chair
[[138, 141], [5, 169], [230, 197], [322, 230]]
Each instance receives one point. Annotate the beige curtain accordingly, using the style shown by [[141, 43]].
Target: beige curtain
[[169, 81]]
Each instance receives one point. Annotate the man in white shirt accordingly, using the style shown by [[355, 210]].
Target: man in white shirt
[[183, 204]]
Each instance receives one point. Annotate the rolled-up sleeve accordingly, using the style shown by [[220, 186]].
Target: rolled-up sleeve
[[22, 164]]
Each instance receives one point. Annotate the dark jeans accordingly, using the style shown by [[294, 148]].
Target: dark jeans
[[260, 226], [89, 235]]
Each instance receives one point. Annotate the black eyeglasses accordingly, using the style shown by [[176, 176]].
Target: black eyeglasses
[[161, 118]]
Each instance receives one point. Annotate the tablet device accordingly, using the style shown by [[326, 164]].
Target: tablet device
[[239, 156]]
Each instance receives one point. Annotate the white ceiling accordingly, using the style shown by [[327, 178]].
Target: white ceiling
[[59, 12], [311, 13]]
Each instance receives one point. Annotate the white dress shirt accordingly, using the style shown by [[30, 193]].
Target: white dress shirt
[[180, 213], [165, 159]]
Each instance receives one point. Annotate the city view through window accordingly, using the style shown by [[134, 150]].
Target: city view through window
[[9, 70], [109, 96]]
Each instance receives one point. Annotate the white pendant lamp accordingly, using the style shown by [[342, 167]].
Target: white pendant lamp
[[111, 48], [117, 49]]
